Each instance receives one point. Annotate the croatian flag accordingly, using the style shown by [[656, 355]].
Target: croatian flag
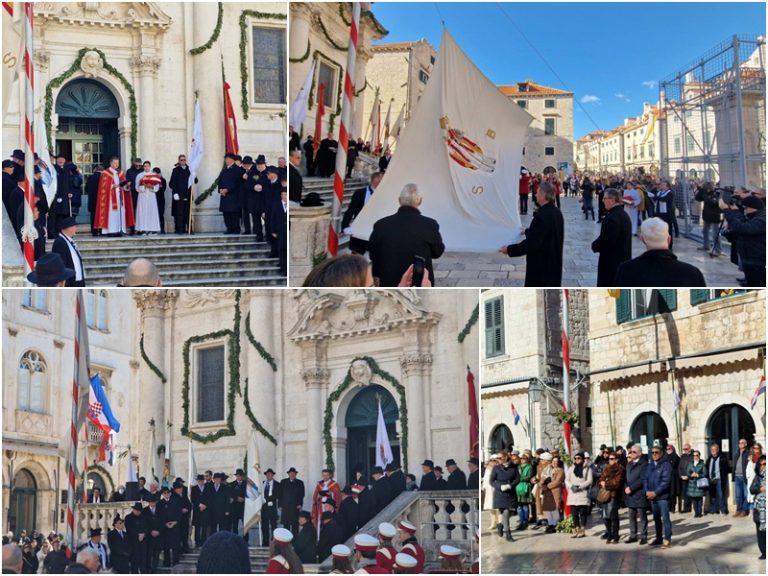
[[515, 415], [759, 390], [100, 414]]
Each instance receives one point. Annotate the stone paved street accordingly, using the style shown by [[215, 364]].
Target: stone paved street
[[708, 545], [579, 262]]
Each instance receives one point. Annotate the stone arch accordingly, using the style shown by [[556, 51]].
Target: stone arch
[[647, 406], [716, 402], [496, 430], [38, 471]]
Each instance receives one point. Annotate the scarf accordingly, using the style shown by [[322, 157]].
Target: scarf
[[578, 470], [760, 503]]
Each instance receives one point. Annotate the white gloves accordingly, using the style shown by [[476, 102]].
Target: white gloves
[[176, 197]]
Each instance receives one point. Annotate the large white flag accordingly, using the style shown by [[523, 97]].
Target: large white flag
[[383, 447], [300, 104], [253, 497], [12, 47], [191, 466], [151, 472], [374, 120], [196, 149], [47, 169], [132, 475], [463, 147]]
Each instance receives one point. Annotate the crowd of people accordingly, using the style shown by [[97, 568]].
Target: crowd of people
[[169, 519], [536, 487], [133, 202]]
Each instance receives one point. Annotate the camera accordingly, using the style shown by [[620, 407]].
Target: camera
[[727, 195]]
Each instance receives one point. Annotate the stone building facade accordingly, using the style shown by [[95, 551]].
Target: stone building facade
[[709, 350], [306, 369], [550, 134], [521, 348], [400, 71], [120, 78]]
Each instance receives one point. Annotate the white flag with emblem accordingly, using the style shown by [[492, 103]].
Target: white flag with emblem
[[463, 147], [253, 497], [196, 149], [12, 48], [383, 447], [301, 103], [191, 465]]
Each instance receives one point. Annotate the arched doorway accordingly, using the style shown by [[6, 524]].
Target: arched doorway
[[646, 428], [23, 510], [730, 422], [87, 130], [501, 438], [361, 420]]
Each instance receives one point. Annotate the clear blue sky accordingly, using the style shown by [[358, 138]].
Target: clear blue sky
[[615, 51]]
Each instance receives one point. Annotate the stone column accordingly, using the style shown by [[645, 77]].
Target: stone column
[[316, 377], [146, 67], [152, 305], [207, 84], [309, 238], [414, 363]]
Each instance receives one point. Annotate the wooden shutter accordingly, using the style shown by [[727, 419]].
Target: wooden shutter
[[699, 296], [623, 307]]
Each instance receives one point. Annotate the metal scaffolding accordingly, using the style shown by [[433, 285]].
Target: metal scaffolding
[[712, 123]]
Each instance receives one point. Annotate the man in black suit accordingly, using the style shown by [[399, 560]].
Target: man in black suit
[[359, 199], [657, 266], [95, 497], [543, 244], [230, 184], [136, 528], [349, 512], [380, 488], [295, 181], [279, 220], [366, 504], [271, 493], [615, 241], [180, 494], [65, 246], [457, 480], [428, 479], [396, 239], [309, 154], [200, 495], [473, 481], [9, 186], [237, 494], [330, 535], [291, 500], [119, 547], [396, 479], [92, 192], [272, 191], [220, 504], [305, 542], [155, 525], [172, 512]]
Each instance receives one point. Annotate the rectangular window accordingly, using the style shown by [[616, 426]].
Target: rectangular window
[[676, 145], [549, 151], [33, 298], [210, 384], [708, 294], [549, 103], [549, 126], [268, 65], [523, 104], [423, 76], [431, 59], [326, 74], [494, 327], [691, 143], [636, 304]]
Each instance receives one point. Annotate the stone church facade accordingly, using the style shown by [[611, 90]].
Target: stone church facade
[[305, 369]]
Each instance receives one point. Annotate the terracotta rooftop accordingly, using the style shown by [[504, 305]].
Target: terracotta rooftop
[[533, 89]]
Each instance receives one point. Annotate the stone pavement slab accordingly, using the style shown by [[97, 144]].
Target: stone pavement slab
[[709, 545]]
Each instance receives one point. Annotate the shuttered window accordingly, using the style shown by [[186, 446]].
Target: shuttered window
[[636, 304], [494, 327], [210, 384], [699, 296]]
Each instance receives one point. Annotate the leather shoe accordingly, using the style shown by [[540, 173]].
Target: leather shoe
[[655, 542], [643, 541], [630, 540]]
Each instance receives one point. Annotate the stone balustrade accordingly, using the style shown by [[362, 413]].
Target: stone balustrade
[[90, 516]]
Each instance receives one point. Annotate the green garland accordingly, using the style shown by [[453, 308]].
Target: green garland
[[243, 58], [214, 37], [149, 363], [105, 472], [256, 424], [256, 344], [234, 351], [207, 192], [470, 323], [304, 57], [336, 394], [64, 76], [357, 93], [328, 38]]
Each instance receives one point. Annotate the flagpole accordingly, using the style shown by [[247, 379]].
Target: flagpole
[[566, 366], [28, 232], [73, 432], [346, 117]]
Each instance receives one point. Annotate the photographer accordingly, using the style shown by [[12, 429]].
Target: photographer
[[748, 225], [711, 216]]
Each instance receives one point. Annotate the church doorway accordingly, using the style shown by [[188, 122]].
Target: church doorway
[[726, 425], [87, 131], [362, 417], [646, 428], [23, 510], [501, 439]]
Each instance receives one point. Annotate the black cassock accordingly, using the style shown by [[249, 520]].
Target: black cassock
[[330, 535], [381, 493], [291, 500], [396, 483], [349, 512], [326, 157], [305, 544], [366, 507]]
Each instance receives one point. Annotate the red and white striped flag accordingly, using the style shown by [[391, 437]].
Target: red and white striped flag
[[28, 230], [758, 391]]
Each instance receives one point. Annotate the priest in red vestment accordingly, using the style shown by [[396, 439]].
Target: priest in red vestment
[[114, 205], [327, 496]]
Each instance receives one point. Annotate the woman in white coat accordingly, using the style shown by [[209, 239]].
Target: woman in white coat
[[147, 184], [578, 480], [632, 201], [488, 492]]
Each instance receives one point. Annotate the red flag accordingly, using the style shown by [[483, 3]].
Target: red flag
[[474, 419], [319, 119], [230, 122]]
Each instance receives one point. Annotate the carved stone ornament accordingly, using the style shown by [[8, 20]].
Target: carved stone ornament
[[104, 14], [200, 298], [315, 377], [92, 65], [160, 299], [415, 362], [361, 372]]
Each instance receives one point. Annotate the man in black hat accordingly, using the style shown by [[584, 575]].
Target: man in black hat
[[428, 478], [96, 545], [295, 182], [457, 480], [50, 271], [119, 547], [180, 495], [230, 179], [154, 521], [473, 482], [396, 479], [305, 542], [291, 500], [136, 528], [349, 512], [172, 512], [273, 190], [18, 165], [69, 183], [10, 184], [201, 501], [220, 502], [249, 197], [180, 194], [380, 488], [65, 246], [330, 535], [237, 494], [130, 177], [271, 493], [326, 156]]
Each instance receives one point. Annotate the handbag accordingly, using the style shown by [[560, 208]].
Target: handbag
[[604, 495], [702, 482]]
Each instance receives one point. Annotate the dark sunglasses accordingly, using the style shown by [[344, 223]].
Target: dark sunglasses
[[612, 458]]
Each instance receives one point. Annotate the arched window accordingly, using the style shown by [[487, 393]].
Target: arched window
[[34, 299], [646, 428], [501, 438], [33, 382]]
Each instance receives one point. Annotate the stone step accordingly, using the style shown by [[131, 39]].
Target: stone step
[[259, 558]]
